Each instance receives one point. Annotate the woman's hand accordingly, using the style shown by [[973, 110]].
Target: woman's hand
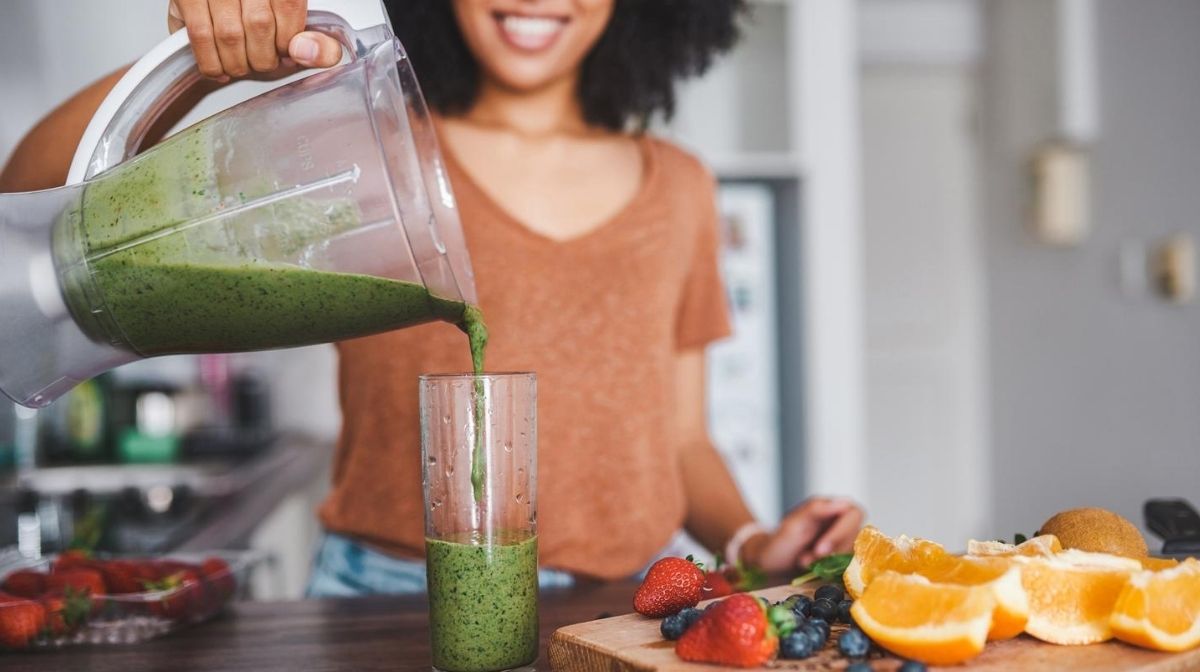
[[234, 38], [817, 527]]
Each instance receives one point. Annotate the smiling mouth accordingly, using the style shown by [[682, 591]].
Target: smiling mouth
[[530, 33]]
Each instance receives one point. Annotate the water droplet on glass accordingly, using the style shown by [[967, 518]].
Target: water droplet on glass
[[507, 447], [449, 471], [446, 419], [520, 497], [432, 459]]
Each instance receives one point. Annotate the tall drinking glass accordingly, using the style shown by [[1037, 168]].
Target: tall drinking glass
[[479, 455]]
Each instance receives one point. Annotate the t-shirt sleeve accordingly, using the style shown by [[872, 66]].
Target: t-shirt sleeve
[[704, 309]]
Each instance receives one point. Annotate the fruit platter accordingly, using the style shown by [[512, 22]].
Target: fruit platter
[[81, 598], [1092, 601]]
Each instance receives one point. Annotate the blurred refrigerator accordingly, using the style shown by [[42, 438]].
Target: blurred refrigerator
[[743, 371]]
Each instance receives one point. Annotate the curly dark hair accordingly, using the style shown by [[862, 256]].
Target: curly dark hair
[[628, 76]]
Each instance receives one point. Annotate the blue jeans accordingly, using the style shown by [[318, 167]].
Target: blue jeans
[[346, 568]]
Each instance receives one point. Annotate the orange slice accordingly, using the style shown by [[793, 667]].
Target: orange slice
[[875, 553], [1001, 576], [1157, 564], [1160, 610], [1044, 545], [1072, 594], [936, 623]]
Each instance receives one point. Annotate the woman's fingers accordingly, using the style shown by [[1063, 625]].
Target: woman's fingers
[[290, 17], [315, 50], [230, 36], [839, 537], [195, 17], [258, 21]]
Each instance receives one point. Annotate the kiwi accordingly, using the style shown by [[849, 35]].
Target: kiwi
[[1096, 530]]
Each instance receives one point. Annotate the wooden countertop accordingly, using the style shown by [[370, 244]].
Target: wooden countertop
[[373, 633]]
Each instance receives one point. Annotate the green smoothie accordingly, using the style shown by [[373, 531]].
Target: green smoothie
[[154, 259], [483, 602]]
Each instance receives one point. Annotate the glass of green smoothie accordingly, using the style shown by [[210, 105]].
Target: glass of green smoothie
[[481, 542]]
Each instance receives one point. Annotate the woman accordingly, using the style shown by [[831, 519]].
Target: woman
[[595, 251]]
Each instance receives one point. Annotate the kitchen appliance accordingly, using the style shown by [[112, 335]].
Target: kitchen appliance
[[315, 212]]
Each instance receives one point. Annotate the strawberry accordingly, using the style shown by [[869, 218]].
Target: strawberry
[[220, 579], [716, 585], [20, 621], [735, 632], [87, 581], [671, 585], [25, 583], [65, 612], [181, 591], [72, 559], [126, 576]]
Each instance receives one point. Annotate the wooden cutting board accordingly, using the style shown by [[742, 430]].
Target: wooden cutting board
[[632, 643]]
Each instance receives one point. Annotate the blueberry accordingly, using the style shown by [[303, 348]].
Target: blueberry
[[812, 634], [832, 593], [911, 666], [821, 625], [673, 626], [690, 616], [859, 667], [825, 609], [796, 646], [853, 643], [844, 611], [801, 604], [782, 618]]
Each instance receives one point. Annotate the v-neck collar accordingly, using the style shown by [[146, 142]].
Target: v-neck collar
[[466, 181]]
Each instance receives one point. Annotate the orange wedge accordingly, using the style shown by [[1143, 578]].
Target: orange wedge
[[1001, 576], [875, 553], [1072, 594], [1156, 564], [1160, 610], [1044, 545], [936, 623]]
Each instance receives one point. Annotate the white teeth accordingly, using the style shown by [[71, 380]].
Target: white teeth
[[531, 26]]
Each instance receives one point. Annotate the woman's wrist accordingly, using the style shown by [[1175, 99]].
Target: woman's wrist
[[745, 545]]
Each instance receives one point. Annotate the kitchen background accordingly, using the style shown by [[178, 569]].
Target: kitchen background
[[959, 247]]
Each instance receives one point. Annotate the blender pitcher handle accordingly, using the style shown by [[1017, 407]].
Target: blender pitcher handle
[[120, 124]]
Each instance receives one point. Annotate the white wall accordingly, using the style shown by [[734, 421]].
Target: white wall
[[1095, 391], [926, 435], [49, 49]]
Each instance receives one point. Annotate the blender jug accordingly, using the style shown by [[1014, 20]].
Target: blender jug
[[316, 212]]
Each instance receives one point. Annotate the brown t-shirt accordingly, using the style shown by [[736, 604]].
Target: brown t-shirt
[[600, 319]]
